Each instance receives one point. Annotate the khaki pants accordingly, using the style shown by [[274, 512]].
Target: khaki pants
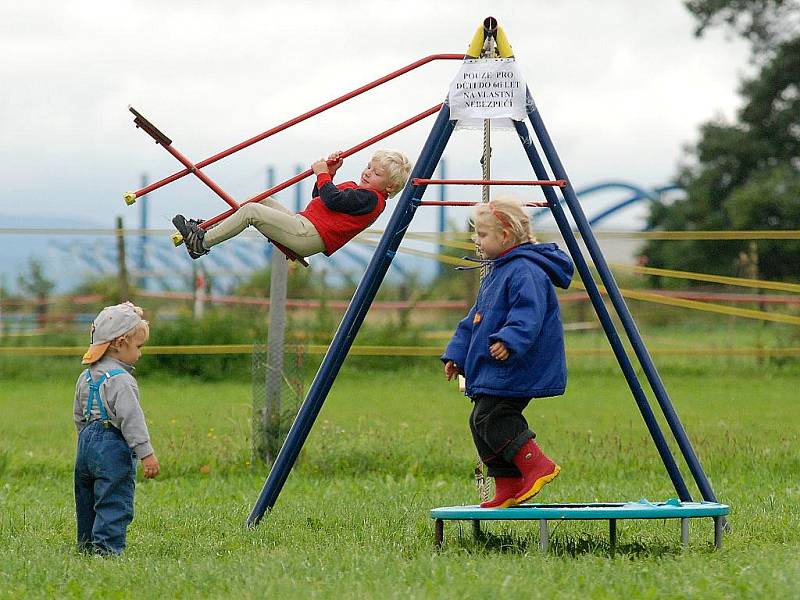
[[273, 220]]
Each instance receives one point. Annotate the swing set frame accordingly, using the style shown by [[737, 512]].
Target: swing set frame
[[409, 201]]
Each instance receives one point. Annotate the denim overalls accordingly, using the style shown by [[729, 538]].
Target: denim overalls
[[105, 471]]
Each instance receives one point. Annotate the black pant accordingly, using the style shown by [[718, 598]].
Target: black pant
[[499, 430]]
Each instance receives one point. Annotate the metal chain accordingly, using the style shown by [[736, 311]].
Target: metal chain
[[489, 51], [487, 157], [480, 481]]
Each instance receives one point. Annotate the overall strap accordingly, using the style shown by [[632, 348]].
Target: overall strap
[[94, 392]]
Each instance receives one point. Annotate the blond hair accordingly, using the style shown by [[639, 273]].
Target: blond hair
[[505, 214], [142, 326], [397, 166]]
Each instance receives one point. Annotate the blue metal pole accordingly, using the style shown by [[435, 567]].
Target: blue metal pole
[[143, 237], [624, 314], [442, 213], [269, 249], [353, 317], [607, 185], [298, 191], [637, 197], [605, 318]]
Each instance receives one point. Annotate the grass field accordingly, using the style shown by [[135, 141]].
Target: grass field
[[389, 445]]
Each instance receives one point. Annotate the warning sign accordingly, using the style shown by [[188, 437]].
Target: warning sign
[[488, 89]]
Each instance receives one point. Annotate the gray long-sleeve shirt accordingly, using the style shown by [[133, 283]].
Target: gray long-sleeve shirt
[[120, 395]]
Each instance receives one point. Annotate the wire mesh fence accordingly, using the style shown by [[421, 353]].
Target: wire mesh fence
[[275, 406]]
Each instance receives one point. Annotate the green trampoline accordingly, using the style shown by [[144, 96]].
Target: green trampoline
[[609, 511]]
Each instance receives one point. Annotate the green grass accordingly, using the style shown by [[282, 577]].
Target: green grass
[[352, 520]]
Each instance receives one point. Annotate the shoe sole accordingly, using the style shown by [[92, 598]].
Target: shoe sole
[[180, 225], [505, 504], [537, 486]]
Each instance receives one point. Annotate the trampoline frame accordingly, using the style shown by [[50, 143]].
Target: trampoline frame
[[589, 511]]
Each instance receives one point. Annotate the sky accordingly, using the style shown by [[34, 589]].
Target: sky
[[622, 86]]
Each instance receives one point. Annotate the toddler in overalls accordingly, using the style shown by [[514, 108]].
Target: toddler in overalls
[[112, 432]]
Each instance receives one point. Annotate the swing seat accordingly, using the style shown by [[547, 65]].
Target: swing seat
[[291, 255]]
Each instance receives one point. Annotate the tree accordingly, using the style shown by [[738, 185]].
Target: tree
[[764, 23], [34, 284], [746, 174], [771, 200]]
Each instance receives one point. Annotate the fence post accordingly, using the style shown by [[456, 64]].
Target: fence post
[[278, 284], [124, 292]]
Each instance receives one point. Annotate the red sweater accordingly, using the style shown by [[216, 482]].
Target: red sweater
[[340, 212]]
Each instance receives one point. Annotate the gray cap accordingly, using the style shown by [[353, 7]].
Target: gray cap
[[111, 323]]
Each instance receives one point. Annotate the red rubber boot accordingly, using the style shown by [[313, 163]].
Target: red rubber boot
[[536, 468], [505, 492]]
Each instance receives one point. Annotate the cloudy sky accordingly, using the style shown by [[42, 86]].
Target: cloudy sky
[[622, 86]]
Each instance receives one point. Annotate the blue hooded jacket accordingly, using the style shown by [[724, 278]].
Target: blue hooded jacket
[[517, 305]]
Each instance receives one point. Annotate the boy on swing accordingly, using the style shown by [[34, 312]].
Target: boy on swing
[[335, 215]]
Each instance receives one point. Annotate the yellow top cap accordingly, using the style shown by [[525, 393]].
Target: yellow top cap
[[489, 28]]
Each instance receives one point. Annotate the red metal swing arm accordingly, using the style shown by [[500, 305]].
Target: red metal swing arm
[[191, 168], [166, 143], [203, 163], [467, 203], [555, 183], [300, 176]]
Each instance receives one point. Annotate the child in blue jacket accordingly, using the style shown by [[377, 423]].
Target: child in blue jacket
[[510, 348]]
